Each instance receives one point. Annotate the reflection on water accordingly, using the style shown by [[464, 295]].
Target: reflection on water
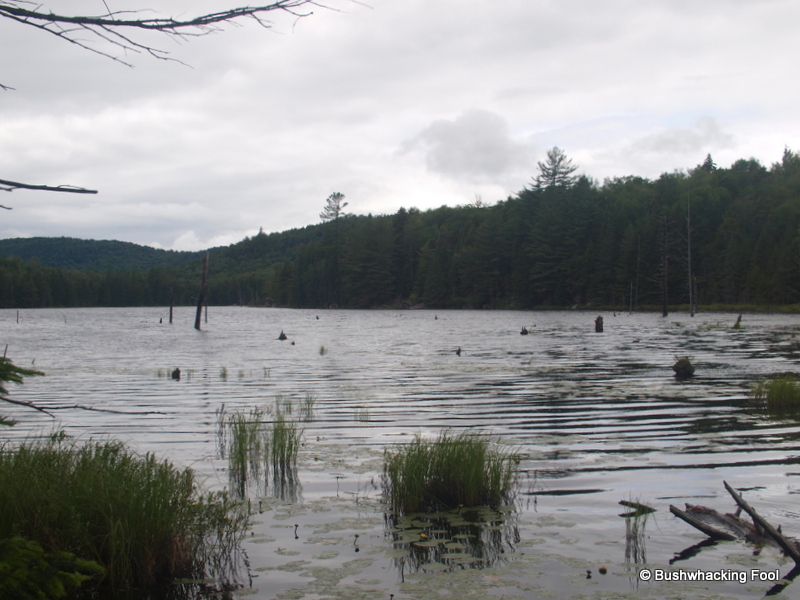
[[450, 540], [591, 412]]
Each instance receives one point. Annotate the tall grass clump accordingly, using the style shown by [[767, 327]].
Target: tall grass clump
[[259, 443], [779, 395], [451, 471], [284, 446], [307, 407], [144, 520]]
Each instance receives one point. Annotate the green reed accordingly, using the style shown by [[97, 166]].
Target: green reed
[[258, 443], [451, 471], [144, 520], [307, 407], [779, 395]]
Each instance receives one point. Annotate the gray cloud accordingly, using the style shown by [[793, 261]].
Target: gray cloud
[[705, 135], [264, 126], [477, 144]]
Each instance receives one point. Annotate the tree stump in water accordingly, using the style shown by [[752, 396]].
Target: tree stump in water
[[598, 325], [683, 368]]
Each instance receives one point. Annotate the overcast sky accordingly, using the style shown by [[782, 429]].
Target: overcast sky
[[413, 103]]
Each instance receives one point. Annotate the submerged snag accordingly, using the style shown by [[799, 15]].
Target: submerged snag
[[683, 367]]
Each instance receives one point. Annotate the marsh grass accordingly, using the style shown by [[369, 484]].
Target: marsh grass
[[466, 469], [144, 520], [361, 414], [779, 395], [257, 444], [307, 407], [635, 526]]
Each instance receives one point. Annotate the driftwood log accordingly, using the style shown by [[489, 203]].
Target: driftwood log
[[731, 527]]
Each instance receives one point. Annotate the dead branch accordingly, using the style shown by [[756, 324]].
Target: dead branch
[[710, 531], [786, 545], [79, 407], [9, 186], [26, 404], [111, 26], [731, 527]]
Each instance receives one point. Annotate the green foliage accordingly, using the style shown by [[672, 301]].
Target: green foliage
[[143, 519], [9, 372], [451, 471], [27, 572]]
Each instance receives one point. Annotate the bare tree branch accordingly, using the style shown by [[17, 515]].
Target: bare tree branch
[[114, 31], [10, 186], [27, 404], [112, 27]]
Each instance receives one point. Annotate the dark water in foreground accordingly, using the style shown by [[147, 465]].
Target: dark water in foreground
[[597, 418]]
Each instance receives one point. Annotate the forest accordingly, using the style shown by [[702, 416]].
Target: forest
[[707, 236]]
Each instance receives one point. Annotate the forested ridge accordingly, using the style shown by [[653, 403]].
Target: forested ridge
[[562, 242]]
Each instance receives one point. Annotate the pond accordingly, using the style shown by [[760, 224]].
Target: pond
[[595, 417]]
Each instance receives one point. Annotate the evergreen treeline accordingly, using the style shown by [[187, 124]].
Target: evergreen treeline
[[563, 242]]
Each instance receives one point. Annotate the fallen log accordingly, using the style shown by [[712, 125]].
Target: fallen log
[[692, 515], [790, 547], [730, 527]]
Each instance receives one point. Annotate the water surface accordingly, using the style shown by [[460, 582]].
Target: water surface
[[597, 418]]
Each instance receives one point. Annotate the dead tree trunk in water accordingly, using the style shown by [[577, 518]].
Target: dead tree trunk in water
[[664, 267], [201, 298], [171, 304]]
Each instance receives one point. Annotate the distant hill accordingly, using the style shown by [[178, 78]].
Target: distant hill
[[92, 255]]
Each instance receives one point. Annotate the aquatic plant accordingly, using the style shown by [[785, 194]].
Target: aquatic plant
[[144, 520], [256, 446], [223, 373], [323, 350], [284, 445], [779, 395], [454, 539], [245, 449], [466, 469], [635, 524], [307, 407], [361, 414]]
